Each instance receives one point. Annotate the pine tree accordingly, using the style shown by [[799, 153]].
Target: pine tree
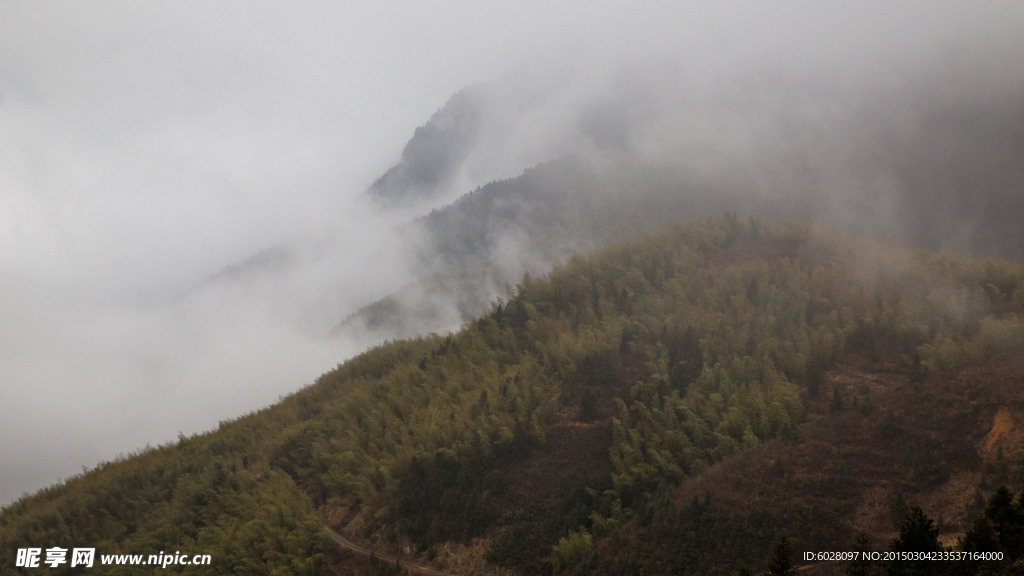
[[981, 537], [862, 566], [1007, 520], [918, 533], [781, 563]]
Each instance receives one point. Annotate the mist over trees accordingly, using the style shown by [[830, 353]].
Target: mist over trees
[[561, 419], [926, 159], [698, 294]]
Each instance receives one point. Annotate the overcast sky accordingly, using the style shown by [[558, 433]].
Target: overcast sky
[[144, 147]]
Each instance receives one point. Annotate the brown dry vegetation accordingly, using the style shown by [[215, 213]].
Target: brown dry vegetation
[[576, 453], [941, 445]]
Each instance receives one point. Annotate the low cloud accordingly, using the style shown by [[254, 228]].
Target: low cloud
[[145, 150]]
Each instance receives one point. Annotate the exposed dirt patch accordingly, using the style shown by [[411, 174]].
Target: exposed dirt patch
[[1001, 427]]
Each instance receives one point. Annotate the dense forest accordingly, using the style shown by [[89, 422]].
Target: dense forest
[[563, 431]]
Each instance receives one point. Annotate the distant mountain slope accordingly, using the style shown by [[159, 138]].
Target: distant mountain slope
[[929, 162], [433, 156], [269, 260], [927, 165], [961, 179], [471, 250], [552, 433]]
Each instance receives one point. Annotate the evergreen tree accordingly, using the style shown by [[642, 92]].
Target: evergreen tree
[[781, 563], [862, 566], [1007, 520], [981, 537], [918, 533]]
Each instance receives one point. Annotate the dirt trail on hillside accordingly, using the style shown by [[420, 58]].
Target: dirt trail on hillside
[[363, 551]]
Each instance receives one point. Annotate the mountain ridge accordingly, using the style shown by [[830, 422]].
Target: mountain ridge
[[561, 419]]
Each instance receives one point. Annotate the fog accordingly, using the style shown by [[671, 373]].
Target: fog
[[183, 210]]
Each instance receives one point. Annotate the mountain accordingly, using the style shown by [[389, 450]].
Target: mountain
[[675, 402], [273, 259], [928, 160], [472, 250], [546, 169], [431, 160]]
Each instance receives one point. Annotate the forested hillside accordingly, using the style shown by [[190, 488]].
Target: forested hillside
[[493, 235], [938, 176], [565, 430]]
